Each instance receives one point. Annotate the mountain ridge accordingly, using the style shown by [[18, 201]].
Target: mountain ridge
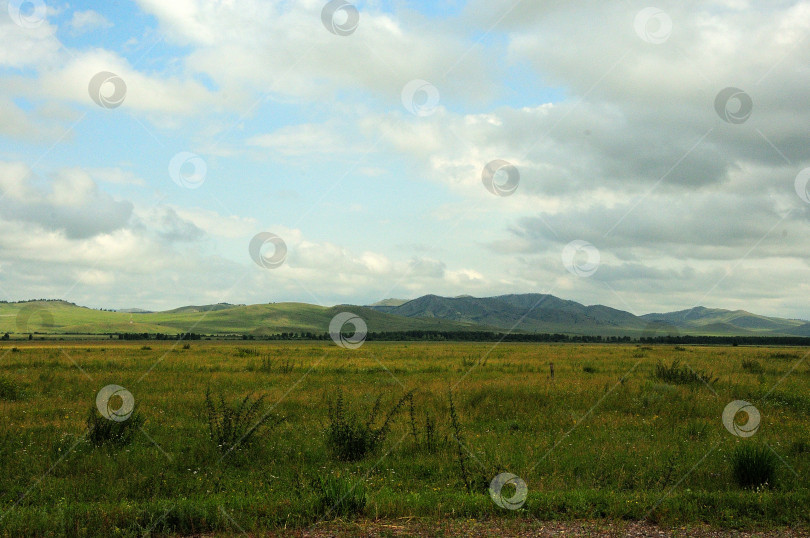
[[532, 312], [525, 313]]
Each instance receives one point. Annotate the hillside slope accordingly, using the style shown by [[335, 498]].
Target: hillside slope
[[526, 312], [733, 320], [534, 313], [260, 319]]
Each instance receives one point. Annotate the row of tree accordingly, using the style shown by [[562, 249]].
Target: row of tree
[[157, 336], [487, 336]]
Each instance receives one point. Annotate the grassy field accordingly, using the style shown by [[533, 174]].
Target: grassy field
[[604, 439]]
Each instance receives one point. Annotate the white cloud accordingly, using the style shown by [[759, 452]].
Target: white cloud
[[116, 176], [27, 47], [284, 49], [214, 224], [72, 204], [298, 140], [144, 93], [83, 22]]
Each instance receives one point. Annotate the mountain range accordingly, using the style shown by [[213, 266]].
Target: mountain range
[[529, 313], [550, 314]]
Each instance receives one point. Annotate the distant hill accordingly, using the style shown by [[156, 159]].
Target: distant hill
[[525, 313], [203, 308], [390, 302], [801, 330], [531, 313], [730, 321], [57, 317]]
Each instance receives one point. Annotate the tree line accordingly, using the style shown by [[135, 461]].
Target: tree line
[[490, 336]]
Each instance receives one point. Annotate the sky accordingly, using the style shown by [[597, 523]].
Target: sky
[[652, 158]]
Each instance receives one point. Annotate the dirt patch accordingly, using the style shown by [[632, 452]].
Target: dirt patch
[[514, 528]]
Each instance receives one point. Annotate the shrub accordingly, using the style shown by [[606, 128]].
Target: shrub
[[478, 483], [589, 369], [350, 439], [468, 363], [752, 366], [682, 375], [697, 429], [103, 431], [431, 441], [753, 466], [267, 365], [10, 390], [458, 435], [340, 496], [231, 426], [800, 447]]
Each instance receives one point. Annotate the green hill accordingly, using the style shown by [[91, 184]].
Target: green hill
[[390, 302], [721, 321], [526, 312], [533, 313], [203, 308], [56, 317]]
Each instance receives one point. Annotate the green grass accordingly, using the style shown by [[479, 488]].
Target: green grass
[[11, 390], [751, 366], [614, 443], [682, 374], [754, 466], [235, 426], [351, 439], [102, 431], [340, 496]]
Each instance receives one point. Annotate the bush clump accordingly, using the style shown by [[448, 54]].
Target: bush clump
[[11, 390], [349, 438], [752, 366], [753, 466], [682, 375], [340, 497], [237, 425], [103, 431]]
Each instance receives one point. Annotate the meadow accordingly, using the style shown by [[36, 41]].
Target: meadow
[[391, 430]]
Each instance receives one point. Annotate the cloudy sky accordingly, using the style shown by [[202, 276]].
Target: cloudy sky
[[646, 157]]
